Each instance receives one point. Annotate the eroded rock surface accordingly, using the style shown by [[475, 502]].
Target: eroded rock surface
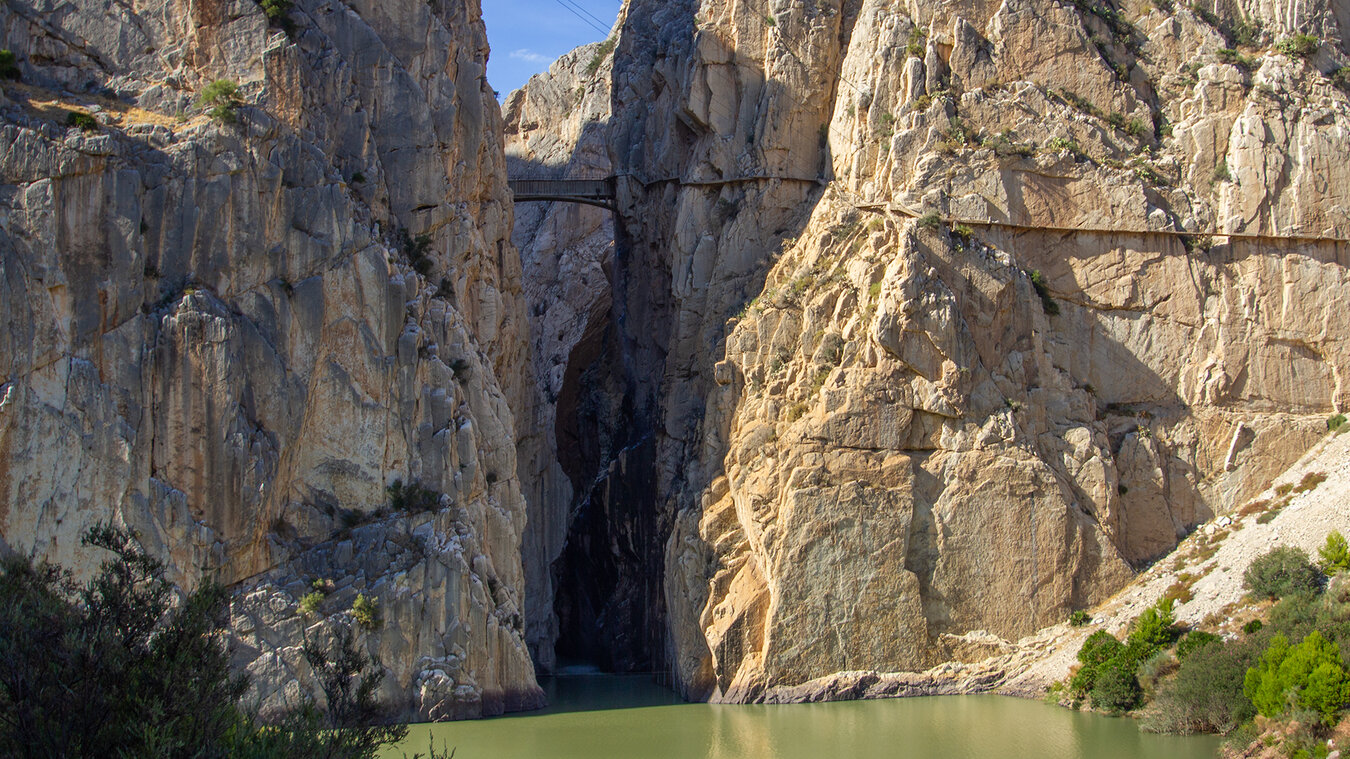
[[232, 335], [943, 318]]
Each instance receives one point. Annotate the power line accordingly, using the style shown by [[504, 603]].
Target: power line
[[584, 20], [582, 8]]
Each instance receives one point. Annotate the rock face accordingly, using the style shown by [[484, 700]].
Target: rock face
[[232, 335], [933, 322], [555, 129]]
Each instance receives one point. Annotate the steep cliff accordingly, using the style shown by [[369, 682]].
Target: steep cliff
[[232, 334], [556, 129], [934, 321]]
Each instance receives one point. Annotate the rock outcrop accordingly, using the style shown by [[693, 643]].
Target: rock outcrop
[[936, 321], [233, 334]]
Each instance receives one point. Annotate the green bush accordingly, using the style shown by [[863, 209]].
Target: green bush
[[1099, 648], [412, 498], [366, 612], [114, 667], [1194, 641], [82, 121], [918, 39], [1282, 572], [1079, 618], [1206, 694], [415, 248], [1153, 630], [1253, 626], [962, 233], [220, 99], [1116, 689], [1301, 45], [1307, 676], [309, 604], [1337, 421], [1334, 555], [9, 66], [1233, 57], [1048, 304], [930, 220], [275, 10]]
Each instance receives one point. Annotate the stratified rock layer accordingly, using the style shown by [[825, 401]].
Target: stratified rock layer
[[232, 335]]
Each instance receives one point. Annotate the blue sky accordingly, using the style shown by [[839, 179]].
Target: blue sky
[[527, 35]]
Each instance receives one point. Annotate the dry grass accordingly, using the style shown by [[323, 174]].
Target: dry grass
[[51, 106], [1310, 482]]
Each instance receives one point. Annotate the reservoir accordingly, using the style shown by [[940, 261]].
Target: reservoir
[[615, 717]]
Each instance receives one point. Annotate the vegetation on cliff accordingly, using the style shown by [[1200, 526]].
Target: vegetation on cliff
[[117, 667], [1285, 678]]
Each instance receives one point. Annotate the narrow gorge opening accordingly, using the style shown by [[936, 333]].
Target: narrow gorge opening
[[608, 600]]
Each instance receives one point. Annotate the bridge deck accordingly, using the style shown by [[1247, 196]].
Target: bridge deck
[[562, 189]]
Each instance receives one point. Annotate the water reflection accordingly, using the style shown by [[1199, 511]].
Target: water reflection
[[596, 717]]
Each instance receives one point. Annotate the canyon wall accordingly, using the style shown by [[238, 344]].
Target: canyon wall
[[934, 321], [232, 335], [556, 128]]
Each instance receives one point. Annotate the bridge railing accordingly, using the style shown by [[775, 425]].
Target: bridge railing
[[577, 188]]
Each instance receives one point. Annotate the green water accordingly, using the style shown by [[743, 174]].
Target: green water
[[609, 717]]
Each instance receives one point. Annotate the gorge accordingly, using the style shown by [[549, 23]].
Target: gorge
[[916, 326]]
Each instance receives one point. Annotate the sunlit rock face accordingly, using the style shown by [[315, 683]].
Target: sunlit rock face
[[232, 335], [865, 435]]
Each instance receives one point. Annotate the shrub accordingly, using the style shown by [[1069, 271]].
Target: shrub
[[1337, 421], [82, 121], [1221, 173], [1247, 32], [1206, 694], [1065, 144], [1099, 648], [1253, 627], [1282, 572], [601, 53], [220, 99], [918, 38], [114, 668], [366, 612], [1153, 669], [962, 233], [930, 220], [309, 604], [1334, 555], [275, 10], [1079, 618], [9, 67], [1048, 304], [1301, 45], [1309, 675], [1194, 641], [412, 498], [415, 249], [1153, 630], [1234, 58], [1116, 689]]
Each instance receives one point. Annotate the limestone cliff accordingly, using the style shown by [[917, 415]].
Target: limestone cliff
[[935, 318], [233, 334], [556, 129]]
